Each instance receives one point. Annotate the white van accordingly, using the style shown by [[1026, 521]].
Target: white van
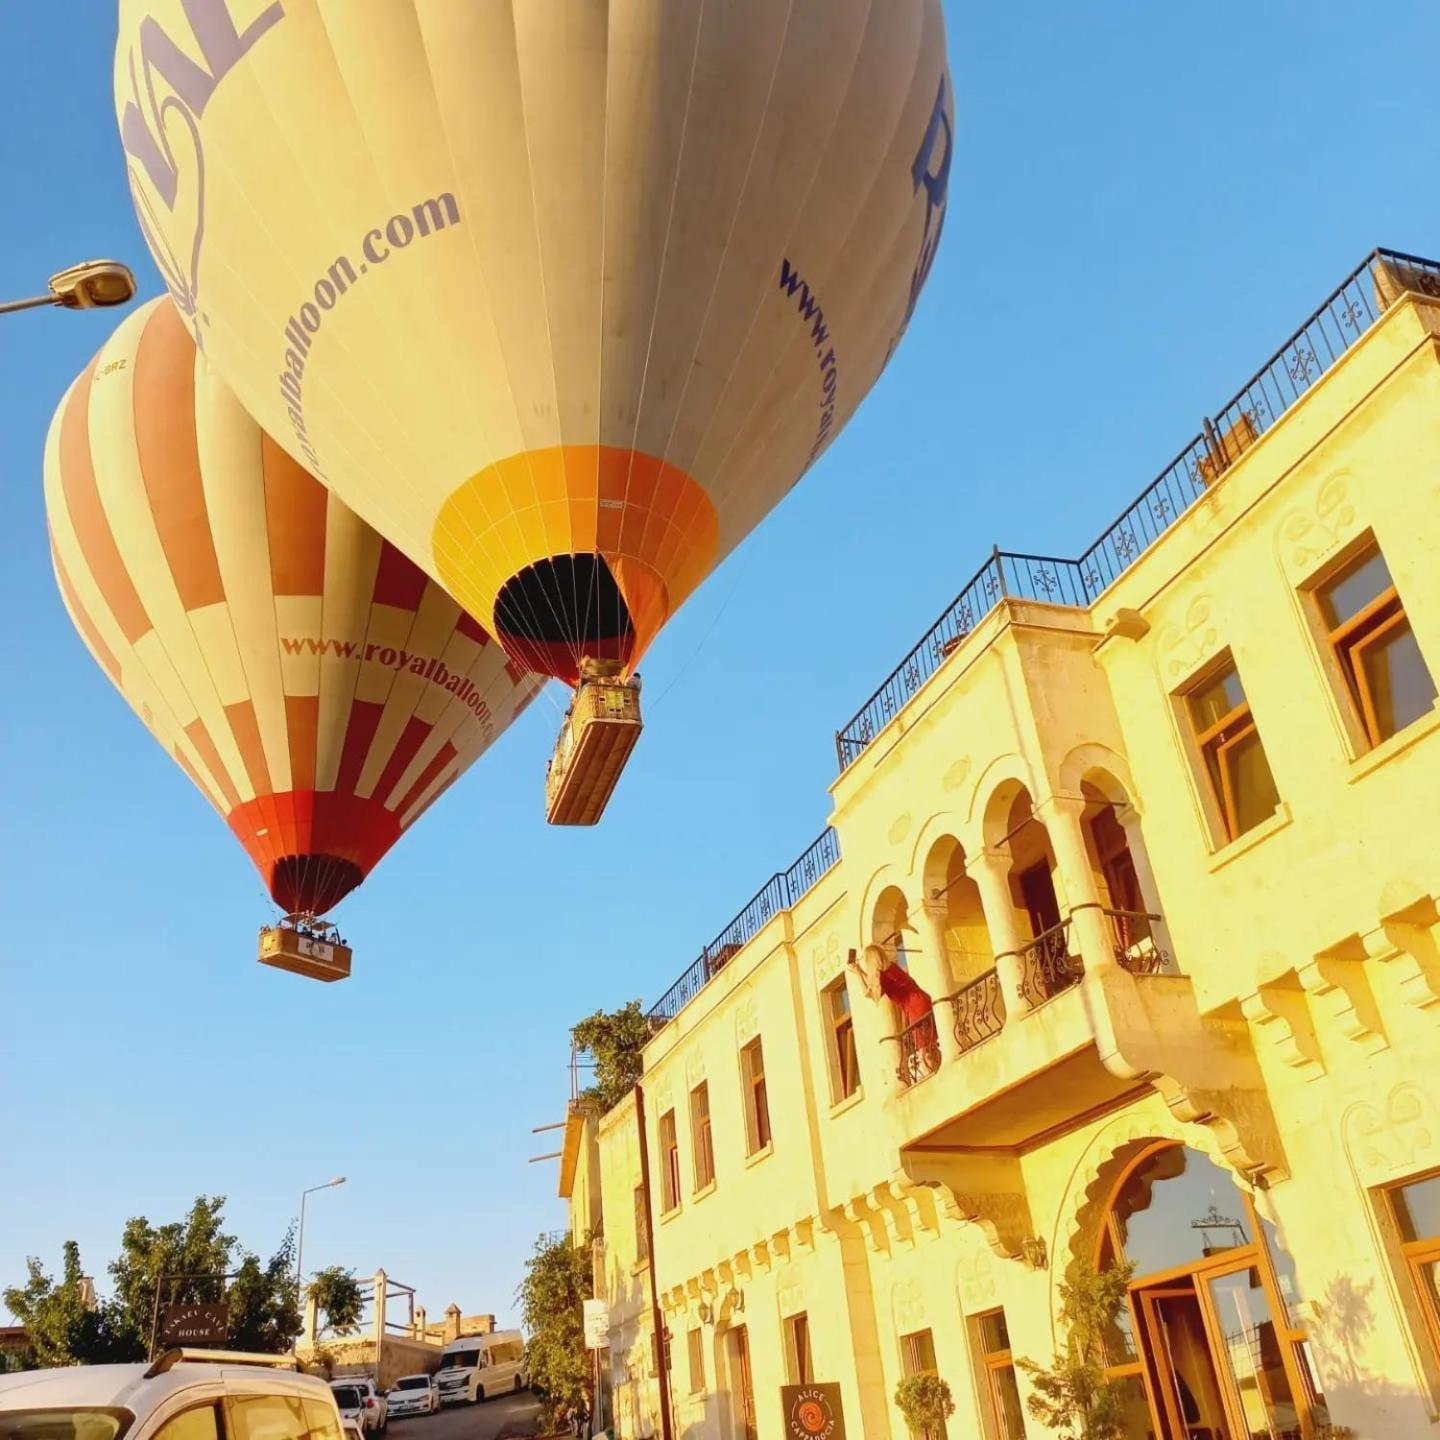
[[480, 1366]]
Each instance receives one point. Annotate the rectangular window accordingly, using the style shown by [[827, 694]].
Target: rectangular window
[[1370, 635], [642, 1229], [1417, 1212], [757, 1100], [669, 1163], [1234, 758], [700, 1136], [797, 1350], [1002, 1395], [842, 1032], [697, 1361], [917, 1357]]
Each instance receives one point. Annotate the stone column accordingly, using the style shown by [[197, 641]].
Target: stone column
[[421, 1329], [1129, 819], [990, 870], [379, 1317], [937, 978], [1089, 928], [452, 1323], [312, 1320]]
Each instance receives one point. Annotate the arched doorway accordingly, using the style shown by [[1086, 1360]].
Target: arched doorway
[[1211, 1347]]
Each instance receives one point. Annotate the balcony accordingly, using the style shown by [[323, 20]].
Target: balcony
[[1340, 320]]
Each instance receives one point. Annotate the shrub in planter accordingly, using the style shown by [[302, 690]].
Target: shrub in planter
[[926, 1404]]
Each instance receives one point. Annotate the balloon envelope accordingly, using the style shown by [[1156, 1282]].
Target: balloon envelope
[[317, 687], [562, 296]]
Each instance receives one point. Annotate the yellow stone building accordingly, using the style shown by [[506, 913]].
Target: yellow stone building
[[1123, 942]]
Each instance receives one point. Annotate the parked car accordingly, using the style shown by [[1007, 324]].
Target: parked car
[[479, 1367], [164, 1400], [358, 1396], [413, 1395]]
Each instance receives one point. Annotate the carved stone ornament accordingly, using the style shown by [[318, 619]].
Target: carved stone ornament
[[747, 1021], [1393, 1137], [1187, 642], [828, 958], [1309, 533]]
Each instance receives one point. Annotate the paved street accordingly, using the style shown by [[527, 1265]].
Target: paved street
[[515, 1413]]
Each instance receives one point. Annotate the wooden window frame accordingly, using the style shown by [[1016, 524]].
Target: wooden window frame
[[842, 1040], [702, 1138], [799, 1362], [758, 1134], [695, 1348], [670, 1162], [1417, 1254], [1353, 639], [993, 1362], [1220, 739]]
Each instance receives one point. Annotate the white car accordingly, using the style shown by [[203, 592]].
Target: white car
[[184, 1395], [413, 1395], [360, 1399]]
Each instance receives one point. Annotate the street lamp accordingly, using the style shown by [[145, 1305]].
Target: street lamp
[[87, 286], [300, 1241]]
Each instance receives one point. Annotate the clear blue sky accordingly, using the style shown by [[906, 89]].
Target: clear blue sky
[[1147, 199]]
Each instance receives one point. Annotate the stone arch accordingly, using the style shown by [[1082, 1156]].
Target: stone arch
[[1111, 1149], [1005, 769], [941, 826], [1100, 766], [890, 922]]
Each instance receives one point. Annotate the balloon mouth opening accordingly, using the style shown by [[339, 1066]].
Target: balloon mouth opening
[[559, 610], [312, 884]]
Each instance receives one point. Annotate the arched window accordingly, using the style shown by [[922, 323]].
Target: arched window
[[1208, 1346]]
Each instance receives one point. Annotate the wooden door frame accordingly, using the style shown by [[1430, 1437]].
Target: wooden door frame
[[1253, 1256]]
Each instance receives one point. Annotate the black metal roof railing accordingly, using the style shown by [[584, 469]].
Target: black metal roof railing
[[1339, 321], [779, 892]]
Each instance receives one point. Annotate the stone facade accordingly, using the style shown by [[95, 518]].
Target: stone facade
[[1266, 1004]]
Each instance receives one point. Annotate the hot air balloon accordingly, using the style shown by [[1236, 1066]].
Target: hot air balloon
[[319, 690], [562, 296]]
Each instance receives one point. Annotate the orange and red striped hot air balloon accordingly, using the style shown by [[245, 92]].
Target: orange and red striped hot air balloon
[[318, 689]]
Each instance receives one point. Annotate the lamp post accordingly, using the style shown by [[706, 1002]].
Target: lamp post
[[88, 286], [300, 1239]]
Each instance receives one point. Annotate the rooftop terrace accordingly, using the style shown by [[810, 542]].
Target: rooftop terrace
[[1337, 323]]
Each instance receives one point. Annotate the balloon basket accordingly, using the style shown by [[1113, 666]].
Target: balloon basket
[[600, 730], [305, 946]]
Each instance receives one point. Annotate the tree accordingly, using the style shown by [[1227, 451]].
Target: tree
[[1073, 1396], [264, 1301], [65, 1325], [926, 1403], [558, 1281], [69, 1326], [614, 1040], [337, 1294]]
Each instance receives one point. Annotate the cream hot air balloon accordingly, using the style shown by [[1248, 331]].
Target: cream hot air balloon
[[318, 689], [562, 296]]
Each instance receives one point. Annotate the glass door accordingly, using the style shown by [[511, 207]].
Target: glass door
[[1251, 1352], [1187, 1380]]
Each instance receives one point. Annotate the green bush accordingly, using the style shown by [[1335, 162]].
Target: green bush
[[925, 1402]]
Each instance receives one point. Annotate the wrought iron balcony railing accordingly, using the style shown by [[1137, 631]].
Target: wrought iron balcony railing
[[1132, 938], [979, 1010], [779, 892], [1340, 320], [1046, 965], [919, 1044]]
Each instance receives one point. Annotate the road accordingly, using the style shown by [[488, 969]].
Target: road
[[515, 1413]]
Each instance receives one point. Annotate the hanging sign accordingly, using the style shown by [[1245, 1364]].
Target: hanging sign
[[195, 1324], [813, 1412]]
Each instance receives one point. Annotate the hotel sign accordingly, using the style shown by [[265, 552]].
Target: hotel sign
[[813, 1412]]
